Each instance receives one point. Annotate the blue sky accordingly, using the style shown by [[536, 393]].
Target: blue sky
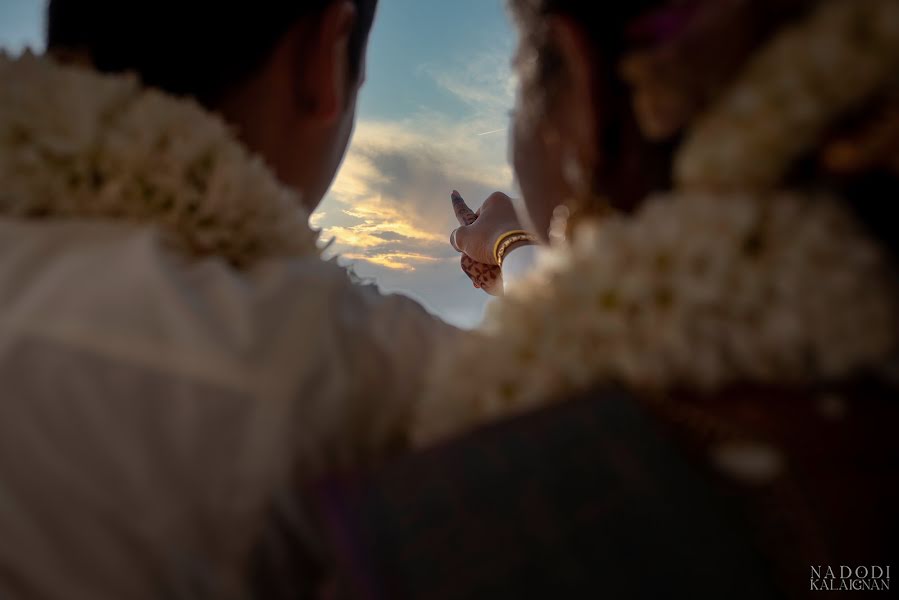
[[21, 23], [432, 117], [411, 35]]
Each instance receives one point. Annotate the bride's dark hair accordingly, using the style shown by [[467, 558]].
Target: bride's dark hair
[[618, 139], [632, 166], [186, 47]]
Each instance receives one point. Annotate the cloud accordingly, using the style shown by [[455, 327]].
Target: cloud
[[484, 81], [389, 210]]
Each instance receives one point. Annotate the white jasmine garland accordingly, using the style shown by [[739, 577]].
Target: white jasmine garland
[[78, 144], [695, 291], [790, 93], [722, 282]]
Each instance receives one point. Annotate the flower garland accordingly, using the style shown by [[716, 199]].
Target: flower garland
[[702, 289], [790, 93], [698, 291], [78, 144]]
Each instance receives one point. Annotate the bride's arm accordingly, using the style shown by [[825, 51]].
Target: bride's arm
[[392, 352], [373, 354]]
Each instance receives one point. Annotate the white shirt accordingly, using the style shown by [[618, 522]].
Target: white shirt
[[153, 409]]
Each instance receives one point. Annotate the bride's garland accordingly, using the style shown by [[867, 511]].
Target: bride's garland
[[703, 289], [78, 144], [790, 93]]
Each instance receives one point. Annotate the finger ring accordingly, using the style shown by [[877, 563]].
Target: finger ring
[[453, 240]]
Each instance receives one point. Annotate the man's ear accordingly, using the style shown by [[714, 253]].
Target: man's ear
[[576, 110], [323, 78]]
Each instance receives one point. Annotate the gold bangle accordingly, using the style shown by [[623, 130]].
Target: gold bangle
[[502, 238], [506, 240]]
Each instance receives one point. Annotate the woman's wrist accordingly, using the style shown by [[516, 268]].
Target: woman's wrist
[[505, 242]]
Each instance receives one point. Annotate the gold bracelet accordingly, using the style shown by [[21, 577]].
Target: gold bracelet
[[502, 238], [506, 240]]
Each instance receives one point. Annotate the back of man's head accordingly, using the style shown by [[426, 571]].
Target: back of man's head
[[186, 47]]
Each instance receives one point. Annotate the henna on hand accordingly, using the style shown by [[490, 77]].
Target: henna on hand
[[486, 277], [483, 276]]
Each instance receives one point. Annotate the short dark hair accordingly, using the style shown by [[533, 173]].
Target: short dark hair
[[187, 47]]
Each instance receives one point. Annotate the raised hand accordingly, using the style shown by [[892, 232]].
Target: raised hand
[[476, 238], [483, 276]]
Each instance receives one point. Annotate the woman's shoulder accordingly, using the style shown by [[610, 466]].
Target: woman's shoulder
[[695, 290]]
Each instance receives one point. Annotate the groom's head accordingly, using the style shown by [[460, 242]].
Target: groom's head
[[285, 73]]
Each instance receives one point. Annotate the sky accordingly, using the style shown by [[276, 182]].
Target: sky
[[432, 117]]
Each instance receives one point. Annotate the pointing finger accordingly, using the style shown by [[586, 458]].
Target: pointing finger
[[464, 214]]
